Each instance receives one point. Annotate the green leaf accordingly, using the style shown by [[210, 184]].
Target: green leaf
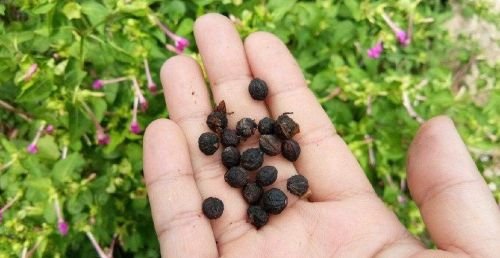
[[40, 90], [78, 122], [2, 9], [45, 8], [96, 12], [72, 10], [47, 148], [68, 169]]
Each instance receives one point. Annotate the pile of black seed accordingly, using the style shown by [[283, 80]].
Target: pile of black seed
[[275, 138]]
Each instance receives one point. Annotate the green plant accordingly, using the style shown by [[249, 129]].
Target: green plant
[[77, 66]]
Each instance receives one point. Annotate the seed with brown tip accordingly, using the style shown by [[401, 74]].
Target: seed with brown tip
[[217, 120], [285, 127], [245, 127], [270, 144]]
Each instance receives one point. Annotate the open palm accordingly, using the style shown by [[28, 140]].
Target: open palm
[[343, 217]]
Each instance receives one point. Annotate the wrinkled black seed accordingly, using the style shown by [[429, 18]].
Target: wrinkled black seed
[[208, 143], [285, 127], [274, 201], [297, 185], [258, 89], [290, 150], [270, 144], [230, 157], [252, 193], [252, 159], [217, 120], [213, 207], [266, 175], [257, 216], [266, 125], [245, 127], [236, 177], [229, 138]]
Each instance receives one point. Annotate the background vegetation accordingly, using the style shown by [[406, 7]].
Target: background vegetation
[[375, 103]]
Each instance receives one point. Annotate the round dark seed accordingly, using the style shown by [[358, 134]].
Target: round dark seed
[[258, 89], [290, 150], [245, 127], [257, 216], [266, 125], [217, 121], [213, 207], [297, 185], [229, 138], [266, 175], [274, 201], [208, 143], [252, 159], [236, 177], [285, 127], [230, 157], [270, 144], [252, 193]]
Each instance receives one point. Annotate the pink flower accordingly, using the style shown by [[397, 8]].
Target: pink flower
[[151, 85], [401, 35], [49, 129], [63, 227], [180, 42], [403, 38], [102, 138], [134, 128], [97, 85], [32, 148], [31, 71], [375, 51]]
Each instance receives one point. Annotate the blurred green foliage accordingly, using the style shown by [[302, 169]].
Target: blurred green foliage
[[100, 188]]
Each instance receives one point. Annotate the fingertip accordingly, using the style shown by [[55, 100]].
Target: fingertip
[[210, 20], [175, 65]]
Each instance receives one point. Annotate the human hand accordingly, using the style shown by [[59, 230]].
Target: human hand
[[343, 217]]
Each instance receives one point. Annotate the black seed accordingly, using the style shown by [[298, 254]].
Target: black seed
[[230, 157], [297, 185], [266, 125], [252, 192], [217, 120], [252, 159], [245, 127], [208, 143], [236, 177], [229, 138], [258, 89], [285, 127], [290, 150], [270, 144], [274, 201], [266, 175], [257, 216], [213, 207]]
